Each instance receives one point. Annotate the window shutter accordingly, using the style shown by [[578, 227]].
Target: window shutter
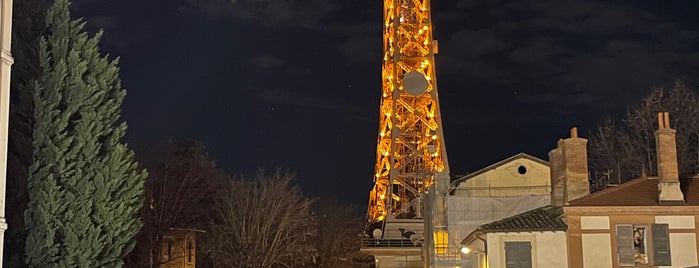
[[624, 245], [518, 255], [661, 244]]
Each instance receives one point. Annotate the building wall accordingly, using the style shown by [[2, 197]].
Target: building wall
[[591, 235], [548, 248], [179, 249], [506, 180]]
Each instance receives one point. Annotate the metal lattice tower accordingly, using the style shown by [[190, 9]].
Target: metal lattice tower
[[410, 148]]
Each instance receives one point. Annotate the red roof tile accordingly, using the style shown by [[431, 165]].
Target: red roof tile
[[639, 192], [546, 218]]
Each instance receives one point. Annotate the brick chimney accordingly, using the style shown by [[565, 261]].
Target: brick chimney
[[557, 166], [569, 176], [666, 149]]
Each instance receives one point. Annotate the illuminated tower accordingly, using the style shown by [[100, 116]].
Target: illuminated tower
[[410, 149]]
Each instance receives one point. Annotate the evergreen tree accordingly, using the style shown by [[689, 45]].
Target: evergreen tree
[[84, 186], [28, 22]]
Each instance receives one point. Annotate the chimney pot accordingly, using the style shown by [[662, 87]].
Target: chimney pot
[[666, 150], [574, 132]]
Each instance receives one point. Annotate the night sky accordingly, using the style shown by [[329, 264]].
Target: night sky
[[295, 83]]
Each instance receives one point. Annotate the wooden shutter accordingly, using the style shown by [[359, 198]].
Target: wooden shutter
[[624, 245], [518, 254], [661, 244]]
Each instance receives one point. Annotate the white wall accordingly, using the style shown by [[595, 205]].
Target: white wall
[[597, 250], [548, 248], [683, 246]]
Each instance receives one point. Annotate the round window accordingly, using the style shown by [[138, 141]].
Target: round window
[[522, 170]]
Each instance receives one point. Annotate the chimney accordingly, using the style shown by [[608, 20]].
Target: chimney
[[569, 178], [666, 149], [557, 175], [577, 183]]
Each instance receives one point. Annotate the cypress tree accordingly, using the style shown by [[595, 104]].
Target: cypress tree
[[84, 185]]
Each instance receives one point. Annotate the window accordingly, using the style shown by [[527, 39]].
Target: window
[[522, 170], [190, 251], [632, 243], [518, 254], [167, 250]]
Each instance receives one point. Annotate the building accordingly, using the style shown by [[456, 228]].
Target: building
[[179, 248], [529, 239], [647, 222], [535, 236], [511, 186]]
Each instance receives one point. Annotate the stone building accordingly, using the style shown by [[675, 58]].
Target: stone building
[[647, 222], [511, 186], [179, 248]]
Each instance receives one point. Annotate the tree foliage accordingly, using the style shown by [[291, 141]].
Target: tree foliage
[[263, 222], [28, 22], [179, 194], [84, 187], [620, 151]]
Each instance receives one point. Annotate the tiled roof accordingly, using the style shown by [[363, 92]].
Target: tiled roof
[[639, 192], [548, 218]]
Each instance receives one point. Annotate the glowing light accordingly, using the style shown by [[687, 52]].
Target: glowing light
[[465, 250], [434, 137], [382, 197]]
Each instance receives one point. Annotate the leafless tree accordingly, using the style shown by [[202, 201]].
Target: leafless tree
[[262, 222], [179, 194], [627, 149], [338, 242]]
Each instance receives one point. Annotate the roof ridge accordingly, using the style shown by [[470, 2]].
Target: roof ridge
[[500, 163]]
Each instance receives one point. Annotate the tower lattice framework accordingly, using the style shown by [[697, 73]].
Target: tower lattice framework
[[410, 148]]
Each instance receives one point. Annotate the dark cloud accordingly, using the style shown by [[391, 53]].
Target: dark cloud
[[612, 52], [212, 9], [103, 22], [267, 61], [286, 96], [361, 48], [277, 13]]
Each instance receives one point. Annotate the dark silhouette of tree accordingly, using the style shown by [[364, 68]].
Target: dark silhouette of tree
[[179, 193], [619, 152], [84, 185], [263, 222], [339, 227], [28, 23]]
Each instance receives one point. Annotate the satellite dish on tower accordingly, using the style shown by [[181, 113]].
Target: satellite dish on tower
[[415, 83], [377, 233]]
